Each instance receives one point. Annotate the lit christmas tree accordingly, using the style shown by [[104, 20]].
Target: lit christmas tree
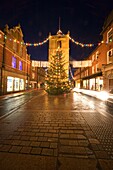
[[56, 77]]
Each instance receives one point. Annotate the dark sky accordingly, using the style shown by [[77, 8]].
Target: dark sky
[[83, 18]]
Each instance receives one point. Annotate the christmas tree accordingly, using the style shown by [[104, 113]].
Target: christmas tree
[[57, 76]]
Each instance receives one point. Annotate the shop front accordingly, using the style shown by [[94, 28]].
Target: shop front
[[15, 84]]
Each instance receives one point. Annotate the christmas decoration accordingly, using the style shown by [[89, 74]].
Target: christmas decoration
[[45, 41], [56, 76]]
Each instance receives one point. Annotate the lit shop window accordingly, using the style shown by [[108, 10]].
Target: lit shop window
[[16, 84], [13, 62], [10, 83], [21, 84], [20, 65]]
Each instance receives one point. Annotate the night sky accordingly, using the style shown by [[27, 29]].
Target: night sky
[[83, 18]]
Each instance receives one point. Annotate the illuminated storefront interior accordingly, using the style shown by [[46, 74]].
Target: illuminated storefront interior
[[15, 84]]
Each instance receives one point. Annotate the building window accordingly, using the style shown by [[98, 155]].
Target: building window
[[21, 84], [96, 67], [110, 84], [93, 57], [109, 56], [16, 84], [110, 36], [9, 84], [13, 62], [15, 45], [97, 54], [20, 65], [59, 44], [20, 50], [33, 75], [93, 70]]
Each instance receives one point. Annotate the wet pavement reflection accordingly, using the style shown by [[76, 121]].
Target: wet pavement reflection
[[69, 131]]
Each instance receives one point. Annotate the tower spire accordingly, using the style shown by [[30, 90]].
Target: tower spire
[[59, 23], [59, 31]]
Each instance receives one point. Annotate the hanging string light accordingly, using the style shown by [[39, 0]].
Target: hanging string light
[[45, 41], [81, 44]]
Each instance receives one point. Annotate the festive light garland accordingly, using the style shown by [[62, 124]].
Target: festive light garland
[[43, 42], [81, 44]]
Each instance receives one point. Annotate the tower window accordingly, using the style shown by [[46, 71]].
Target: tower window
[[59, 44]]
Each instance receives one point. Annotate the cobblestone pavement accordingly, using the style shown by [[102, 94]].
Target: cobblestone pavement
[[56, 133]]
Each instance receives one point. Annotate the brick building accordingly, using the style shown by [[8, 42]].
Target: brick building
[[14, 61], [107, 33], [99, 76]]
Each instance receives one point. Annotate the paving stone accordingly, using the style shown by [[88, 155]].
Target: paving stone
[[26, 138], [16, 137], [12, 161], [54, 145], [45, 144], [72, 150], [7, 142], [46, 151], [73, 142], [33, 138], [25, 143], [64, 136], [106, 164], [80, 136], [5, 148], [48, 134], [36, 151], [40, 139], [16, 142], [101, 154], [52, 139], [39, 134], [35, 144], [55, 135], [64, 141], [76, 164], [94, 141], [26, 149], [15, 149], [83, 142]]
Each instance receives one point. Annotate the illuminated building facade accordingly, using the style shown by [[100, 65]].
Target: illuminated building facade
[[14, 61], [60, 42], [99, 76]]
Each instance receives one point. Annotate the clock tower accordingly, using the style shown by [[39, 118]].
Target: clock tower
[[60, 42]]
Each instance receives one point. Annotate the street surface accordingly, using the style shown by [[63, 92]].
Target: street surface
[[66, 132]]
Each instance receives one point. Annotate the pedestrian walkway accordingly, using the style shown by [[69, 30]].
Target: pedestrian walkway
[[10, 95], [56, 133], [102, 95]]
